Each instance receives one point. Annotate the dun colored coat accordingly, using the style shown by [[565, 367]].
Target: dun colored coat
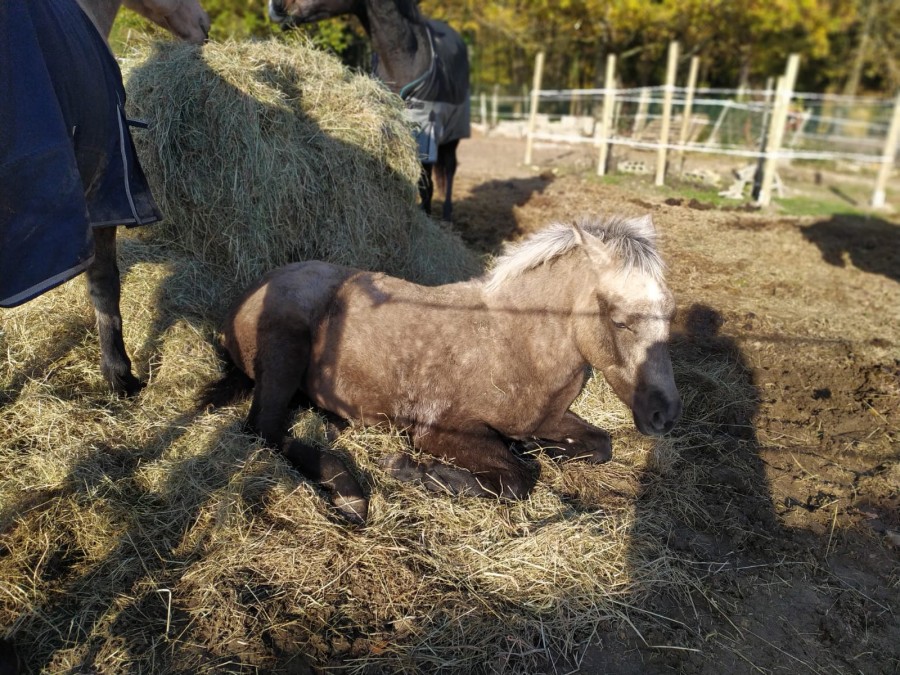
[[466, 368]]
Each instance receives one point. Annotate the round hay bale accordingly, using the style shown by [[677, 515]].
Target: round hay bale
[[263, 153]]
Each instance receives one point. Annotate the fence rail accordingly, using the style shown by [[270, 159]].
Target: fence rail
[[767, 126]]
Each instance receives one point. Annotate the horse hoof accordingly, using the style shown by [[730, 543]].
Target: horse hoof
[[354, 509], [126, 385], [601, 452], [401, 466]]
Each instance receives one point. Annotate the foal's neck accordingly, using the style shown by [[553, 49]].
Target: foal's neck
[[542, 303], [398, 35]]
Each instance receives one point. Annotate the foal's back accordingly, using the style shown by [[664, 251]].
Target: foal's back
[[369, 343], [280, 310]]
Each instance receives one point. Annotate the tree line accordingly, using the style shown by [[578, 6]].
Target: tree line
[[846, 46]]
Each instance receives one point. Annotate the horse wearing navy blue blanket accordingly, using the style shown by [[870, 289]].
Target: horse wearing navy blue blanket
[[422, 60], [68, 169]]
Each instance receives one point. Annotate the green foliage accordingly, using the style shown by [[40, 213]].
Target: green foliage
[[844, 44], [739, 41]]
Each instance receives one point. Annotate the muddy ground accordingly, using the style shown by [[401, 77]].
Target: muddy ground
[[803, 567]]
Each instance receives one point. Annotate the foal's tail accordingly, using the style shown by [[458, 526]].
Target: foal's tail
[[231, 387]]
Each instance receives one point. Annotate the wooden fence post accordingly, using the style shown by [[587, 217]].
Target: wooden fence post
[[688, 108], [482, 109], [495, 106], [609, 95], [776, 130], [671, 69], [887, 157], [532, 109], [640, 118]]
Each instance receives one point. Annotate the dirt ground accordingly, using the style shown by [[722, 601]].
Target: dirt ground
[[809, 308], [761, 536]]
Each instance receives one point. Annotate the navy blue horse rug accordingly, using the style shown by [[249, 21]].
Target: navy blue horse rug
[[67, 161]]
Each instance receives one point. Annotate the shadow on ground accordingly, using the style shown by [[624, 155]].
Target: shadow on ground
[[486, 217], [870, 244]]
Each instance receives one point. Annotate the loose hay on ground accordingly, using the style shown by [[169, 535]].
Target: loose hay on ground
[[262, 153], [139, 536]]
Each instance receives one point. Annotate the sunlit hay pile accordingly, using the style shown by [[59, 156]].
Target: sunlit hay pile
[[262, 153], [137, 535]]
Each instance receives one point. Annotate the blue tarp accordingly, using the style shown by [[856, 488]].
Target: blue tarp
[[67, 161]]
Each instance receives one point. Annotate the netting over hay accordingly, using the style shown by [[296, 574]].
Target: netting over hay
[[262, 153]]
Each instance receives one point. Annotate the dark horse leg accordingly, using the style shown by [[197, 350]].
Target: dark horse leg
[[105, 288], [445, 170], [483, 465], [277, 380], [426, 188], [572, 437]]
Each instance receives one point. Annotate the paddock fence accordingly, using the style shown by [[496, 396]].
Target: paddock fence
[[757, 129]]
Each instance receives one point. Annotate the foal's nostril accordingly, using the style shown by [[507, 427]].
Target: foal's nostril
[[665, 415]]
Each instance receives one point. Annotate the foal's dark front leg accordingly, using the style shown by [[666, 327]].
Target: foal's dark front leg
[[482, 465], [572, 437], [276, 383], [105, 288]]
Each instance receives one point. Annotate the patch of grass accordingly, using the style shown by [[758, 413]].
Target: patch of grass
[[813, 206], [610, 178], [706, 195]]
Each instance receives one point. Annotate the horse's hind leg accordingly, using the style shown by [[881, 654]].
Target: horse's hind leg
[[426, 187], [445, 171], [104, 287], [482, 465], [277, 381]]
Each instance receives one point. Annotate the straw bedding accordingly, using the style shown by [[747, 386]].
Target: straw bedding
[[137, 535]]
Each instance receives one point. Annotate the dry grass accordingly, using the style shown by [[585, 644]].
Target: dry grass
[[262, 153], [139, 536]]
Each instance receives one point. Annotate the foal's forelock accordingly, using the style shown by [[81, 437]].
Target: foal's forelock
[[631, 242]]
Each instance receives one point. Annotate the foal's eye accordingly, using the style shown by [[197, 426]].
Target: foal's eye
[[619, 324]]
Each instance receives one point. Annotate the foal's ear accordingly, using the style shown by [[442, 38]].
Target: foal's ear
[[596, 248], [580, 235], [644, 225]]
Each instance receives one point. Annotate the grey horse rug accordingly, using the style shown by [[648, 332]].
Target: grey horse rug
[[437, 102], [67, 161]]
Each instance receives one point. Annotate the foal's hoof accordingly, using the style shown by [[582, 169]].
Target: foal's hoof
[[353, 508], [402, 467], [435, 475], [597, 454], [124, 384], [597, 451], [347, 496]]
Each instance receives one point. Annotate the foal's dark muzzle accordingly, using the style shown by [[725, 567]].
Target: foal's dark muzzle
[[656, 412]]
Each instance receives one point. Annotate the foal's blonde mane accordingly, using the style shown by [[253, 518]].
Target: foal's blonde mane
[[632, 241]]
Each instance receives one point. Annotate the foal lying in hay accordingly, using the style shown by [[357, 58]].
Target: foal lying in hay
[[465, 368]]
